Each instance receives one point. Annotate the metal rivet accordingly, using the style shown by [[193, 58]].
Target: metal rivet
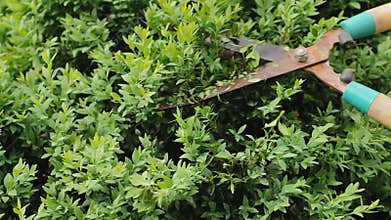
[[301, 54], [347, 75]]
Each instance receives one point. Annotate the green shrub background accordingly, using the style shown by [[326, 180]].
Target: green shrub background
[[80, 137]]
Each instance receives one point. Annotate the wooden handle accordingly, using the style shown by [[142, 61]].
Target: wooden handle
[[382, 15], [380, 110], [366, 24], [369, 101]]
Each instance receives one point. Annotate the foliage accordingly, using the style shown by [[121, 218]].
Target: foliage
[[81, 136]]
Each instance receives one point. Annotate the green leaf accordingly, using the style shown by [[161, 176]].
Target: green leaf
[[166, 183], [139, 180], [355, 5], [16, 211], [254, 80], [275, 121], [134, 192], [186, 32], [116, 97], [78, 213], [284, 129], [8, 181], [224, 155]]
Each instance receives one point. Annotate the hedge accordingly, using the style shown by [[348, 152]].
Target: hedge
[[81, 136]]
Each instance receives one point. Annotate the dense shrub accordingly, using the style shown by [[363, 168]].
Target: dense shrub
[[81, 137]]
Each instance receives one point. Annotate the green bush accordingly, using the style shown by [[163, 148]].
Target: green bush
[[81, 136]]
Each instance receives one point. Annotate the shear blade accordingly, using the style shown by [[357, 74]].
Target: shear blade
[[317, 54], [268, 52], [271, 52]]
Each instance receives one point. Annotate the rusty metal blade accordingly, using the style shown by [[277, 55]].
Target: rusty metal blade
[[271, 52], [266, 51]]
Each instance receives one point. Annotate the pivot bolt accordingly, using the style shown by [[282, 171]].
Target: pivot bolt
[[301, 54], [347, 75]]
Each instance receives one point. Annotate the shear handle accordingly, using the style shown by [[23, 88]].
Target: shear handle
[[369, 101], [368, 23]]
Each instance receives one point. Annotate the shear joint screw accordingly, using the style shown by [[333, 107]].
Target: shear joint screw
[[301, 54]]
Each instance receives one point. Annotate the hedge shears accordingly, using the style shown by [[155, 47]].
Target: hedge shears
[[315, 60]]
